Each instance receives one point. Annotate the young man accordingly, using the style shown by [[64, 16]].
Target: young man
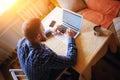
[[37, 60]]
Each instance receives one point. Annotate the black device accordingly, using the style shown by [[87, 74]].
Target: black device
[[52, 23]]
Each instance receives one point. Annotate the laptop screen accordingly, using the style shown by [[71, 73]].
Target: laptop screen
[[72, 19]]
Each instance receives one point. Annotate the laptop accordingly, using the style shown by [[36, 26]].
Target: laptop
[[71, 20]]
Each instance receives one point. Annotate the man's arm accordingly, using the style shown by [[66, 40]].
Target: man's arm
[[56, 61], [55, 30]]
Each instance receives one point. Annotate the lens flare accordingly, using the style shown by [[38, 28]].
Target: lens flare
[[5, 4]]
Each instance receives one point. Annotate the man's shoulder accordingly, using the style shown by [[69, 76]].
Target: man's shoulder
[[22, 40], [22, 46], [21, 43]]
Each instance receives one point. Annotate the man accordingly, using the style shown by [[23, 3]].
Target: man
[[37, 60]]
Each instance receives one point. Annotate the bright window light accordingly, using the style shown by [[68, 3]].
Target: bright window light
[[5, 4]]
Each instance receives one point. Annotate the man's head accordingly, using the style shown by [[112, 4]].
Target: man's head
[[33, 30]]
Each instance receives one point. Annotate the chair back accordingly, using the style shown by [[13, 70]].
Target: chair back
[[17, 74]]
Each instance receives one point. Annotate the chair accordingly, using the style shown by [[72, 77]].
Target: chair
[[17, 74]]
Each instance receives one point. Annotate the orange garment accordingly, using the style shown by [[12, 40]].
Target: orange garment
[[97, 17], [101, 12]]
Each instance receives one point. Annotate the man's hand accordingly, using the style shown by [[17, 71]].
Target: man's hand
[[56, 30], [70, 33]]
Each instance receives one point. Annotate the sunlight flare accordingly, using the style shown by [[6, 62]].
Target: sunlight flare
[[5, 4]]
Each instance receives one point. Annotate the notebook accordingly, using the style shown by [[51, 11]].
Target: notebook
[[71, 20]]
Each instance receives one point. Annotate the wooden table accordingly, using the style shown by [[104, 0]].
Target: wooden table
[[90, 47]]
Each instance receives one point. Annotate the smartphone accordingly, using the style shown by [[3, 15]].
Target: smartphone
[[52, 23]]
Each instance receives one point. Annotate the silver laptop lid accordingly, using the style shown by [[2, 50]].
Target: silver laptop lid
[[72, 19]]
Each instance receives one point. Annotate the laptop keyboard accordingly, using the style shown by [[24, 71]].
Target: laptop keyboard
[[62, 37], [65, 25]]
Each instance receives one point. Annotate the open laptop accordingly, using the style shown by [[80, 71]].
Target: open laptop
[[71, 20]]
